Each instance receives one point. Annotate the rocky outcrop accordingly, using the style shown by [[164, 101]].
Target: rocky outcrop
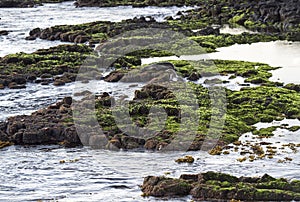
[[94, 32], [58, 64], [159, 72], [268, 16], [4, 32], [219, 186], [51, 125]]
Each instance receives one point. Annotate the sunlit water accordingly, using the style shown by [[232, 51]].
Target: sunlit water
[[226, 29], [277, 54], [35, 173]]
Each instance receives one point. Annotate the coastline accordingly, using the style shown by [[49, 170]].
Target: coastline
[[267, 102]]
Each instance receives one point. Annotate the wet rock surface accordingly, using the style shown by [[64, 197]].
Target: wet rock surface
[[267, 102], [59, 64], [220, 186], [95, 32], [4, 32], [264, 16], [51, 125]]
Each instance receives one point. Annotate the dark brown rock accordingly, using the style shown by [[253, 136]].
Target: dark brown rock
[[114, 76], [14, 85], [3, 32], [161, 187]]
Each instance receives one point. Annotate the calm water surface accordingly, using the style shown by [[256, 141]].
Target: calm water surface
[[277, 54]]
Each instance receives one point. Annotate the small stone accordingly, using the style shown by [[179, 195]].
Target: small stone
[[186, 159]]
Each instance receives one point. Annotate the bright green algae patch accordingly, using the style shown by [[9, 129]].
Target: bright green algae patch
[[253, 72], [45, 60], [214, 186], [21, 67], [246, 107], [100, 31]]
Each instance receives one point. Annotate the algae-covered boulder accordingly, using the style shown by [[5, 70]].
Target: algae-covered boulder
[[64, 60], [51, 125], [161, 186], [219, 186]]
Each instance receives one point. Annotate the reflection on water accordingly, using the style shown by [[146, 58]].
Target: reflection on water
[[278, 54]]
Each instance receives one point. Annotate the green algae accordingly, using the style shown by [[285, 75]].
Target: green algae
[[265, 132], [211, 42], [245, 108], [221, 186], [53, 61]]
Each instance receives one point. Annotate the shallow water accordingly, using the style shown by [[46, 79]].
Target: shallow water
[[19, 21], [36, 173], [277, 54], [226, 29], [37, 96]]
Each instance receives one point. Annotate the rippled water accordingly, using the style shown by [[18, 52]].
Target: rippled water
[[37, 96], [38, 173], [20, 21]]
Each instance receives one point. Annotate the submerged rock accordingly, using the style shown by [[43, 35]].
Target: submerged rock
[[4, 32]]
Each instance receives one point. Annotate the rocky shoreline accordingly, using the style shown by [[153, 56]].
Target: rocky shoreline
[[46, 126], [251, 105], [99, 32], [222, 187], [269, 16], [58, 65], [278, 17], [268, 101]]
